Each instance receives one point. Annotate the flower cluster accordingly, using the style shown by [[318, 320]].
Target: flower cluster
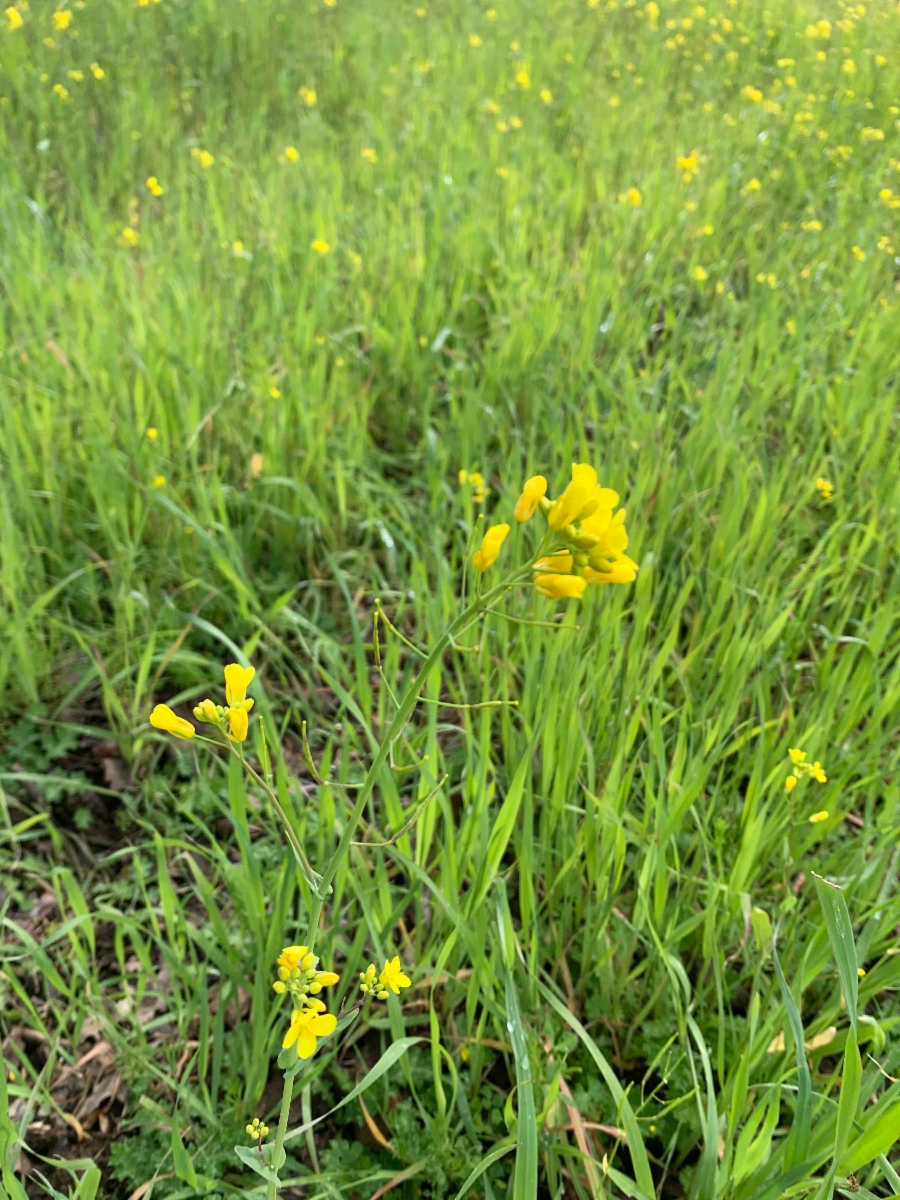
[[799, 766], [391, 979], [233, 718], [257, 1129], [825, 488], [299, 976]]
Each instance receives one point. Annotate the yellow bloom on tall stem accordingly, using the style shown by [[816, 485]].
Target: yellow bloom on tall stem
[[163, 718], [570, 505], [392, 975], [308, 1024], [532, 493], [237, 680], [238, 723], [490, 547]]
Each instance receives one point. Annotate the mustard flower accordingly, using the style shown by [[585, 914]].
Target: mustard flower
[[154, 186], [474, 41], [256, 1129], [163, 718], [754, 95], [13, 18], [825, 488], [532, 494], [308, 96], [238, 724], [700, 275], [291, 153], [320, 246], [631, 196], [392, 976], [818, 816], [546, 95], [151, 434], [800, 766], [158, 481], [790, 783], [299, 974], [871, 134], [97, 71], [523, 79], [308, 1024], [369, 153], [237, 680], [859, 254], [63, 92], [689, 165], [62, 19], [207, 713], [490, 547], [560, 587]]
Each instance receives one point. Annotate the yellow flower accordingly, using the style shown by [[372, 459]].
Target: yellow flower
[[237, 680], [320, 246], [689, 165], [861, 972], [14, 18], [490, 547], [532, 493], [256, 1129], [817, 773], [205, 159], [63, 92], [848, 66], [151, 434], [238, 723], [237, 249], [97, 71], [158, 481], [818, 816], [207, 712], [163, 718], [797, 756], [369, 154], [76, 76], [812, 226], [368, 985], [474, 41], [859, 254], [291, 957], [791, 327], [870, 134], [546, 95], [754, 95], [632, 196], [308, 1024], [699, 274], [153, 186], [308, 96], [752, 185], [523, 79], [62, 19], [291, 153], [821, 29], [577, 498], [825, 488], [392, 974], [790, 783], [560, 587]]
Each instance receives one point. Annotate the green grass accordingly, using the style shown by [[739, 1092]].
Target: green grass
[[587, 905]]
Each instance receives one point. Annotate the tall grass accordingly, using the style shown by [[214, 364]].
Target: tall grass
[[489, 300]]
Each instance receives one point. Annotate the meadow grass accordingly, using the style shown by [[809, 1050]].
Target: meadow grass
[[609, 909]]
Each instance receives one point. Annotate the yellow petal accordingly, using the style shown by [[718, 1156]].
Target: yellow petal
[[306, 1044], [327, 978], [560, 587], [237, 680], [322, 1025], [532, 493], [238, 723], [163, 718]]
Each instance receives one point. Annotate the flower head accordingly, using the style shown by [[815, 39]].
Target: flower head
[[256, 1129], [299, 974], [392, 976], [818, 816], [632, 196], [207, 713], [490, 547], [688, 165], [237, 680], [825, 488], [168, 721], [308, 96], [238, 724], [320, 246], [154, 186], [62, 19], [560, 587], [13, 18], [308, 1024], [369, 985], [532, 494], [97, 71]]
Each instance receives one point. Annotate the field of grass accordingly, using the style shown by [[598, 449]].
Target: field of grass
[[271, 275]]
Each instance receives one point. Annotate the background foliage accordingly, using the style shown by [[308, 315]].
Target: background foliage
[[602, 878]]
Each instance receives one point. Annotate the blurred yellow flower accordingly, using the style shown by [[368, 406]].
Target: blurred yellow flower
[[546, 95], [859, 254], [320, 246], [699, 275], [825, 488], [871, 134], [754, 95], [523, 79], [163, 718], [61, 91], [474, 41], [369, 154], [158, 481], [821, 29], [97, 71], [154, 186], [308, 96], [62, 19], [631, 196], [818, 816], [533, 493], [848, 66], [205, 159], [560, 587], [291, 153], [752, 185], [790, 783], [237, 680], [152, 434], [689, 165], [13, 18], [490, 547], [812, 226], [130, 236]]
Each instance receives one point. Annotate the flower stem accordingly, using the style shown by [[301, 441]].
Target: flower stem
[[408, 702], [278, 1149]]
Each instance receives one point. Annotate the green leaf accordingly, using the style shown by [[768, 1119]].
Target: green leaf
[[90, 1181], [850, 1086], [488, 1161], [877, 1139], [797, 1142], [250, 1157], [394, 1052], [181, 1160], [840, 933]]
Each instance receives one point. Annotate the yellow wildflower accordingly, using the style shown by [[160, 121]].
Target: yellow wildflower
[[490, 547], [308, 1024], [631, 196], [207, 713], [154, 186], [818, 816], [291, 153], [825, 488], [14, 18], [308, 96], [523, 79], [392, 974], [237, 680], [689, 166], [320, 246], [163, 718], [256, 1129], [63, 92], [859, 254], [238, 724], [205, 159], [151, 434], [699, 274], [790, 783], [369, 986], [532, 493], [474, 41], [369, 154], [97, 71], [546, 95], [62, 19], [754, 95], [158, 481], [560, 587], [871, 134]]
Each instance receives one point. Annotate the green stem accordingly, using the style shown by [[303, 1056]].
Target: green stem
[[311, 876], [278, 1149], [407, 704]]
